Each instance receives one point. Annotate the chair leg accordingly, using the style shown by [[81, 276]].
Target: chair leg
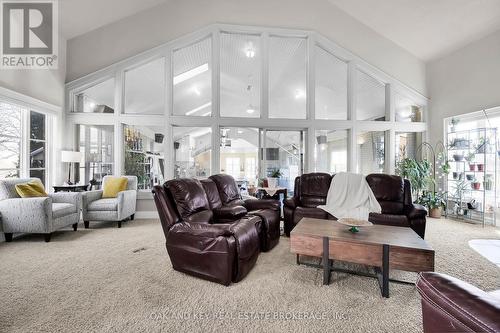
[[132, 217], [8, 237], [47, 237], [75, 226], [119, 224], [86, 224]]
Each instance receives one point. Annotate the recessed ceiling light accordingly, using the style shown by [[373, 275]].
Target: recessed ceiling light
[[190, 74], [92, 104], [201, 107], [299, 93], [250, 109], [240, 131], [195, 90]]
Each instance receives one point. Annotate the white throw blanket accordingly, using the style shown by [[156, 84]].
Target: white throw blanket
[[350, 196]]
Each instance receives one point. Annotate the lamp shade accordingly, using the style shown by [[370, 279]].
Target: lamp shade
[[71, 156]]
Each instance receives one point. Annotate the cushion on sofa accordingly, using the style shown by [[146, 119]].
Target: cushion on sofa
[[114, 185], [62, 209], [109, 204]]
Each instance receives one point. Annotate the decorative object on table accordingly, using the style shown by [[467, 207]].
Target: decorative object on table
[[354, 224], [272, 181], [68, 156], [94, 159]]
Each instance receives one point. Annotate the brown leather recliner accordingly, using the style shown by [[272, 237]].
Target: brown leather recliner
[[392, 192], [451, 305], [229, 196], [310, 191], [200, 242]]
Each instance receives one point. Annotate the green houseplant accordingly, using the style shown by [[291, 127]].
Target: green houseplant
[[434, 201], [419, 173], [272, 181]]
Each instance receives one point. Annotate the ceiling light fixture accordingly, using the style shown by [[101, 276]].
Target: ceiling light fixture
[[299, 93], [92, 105], [201, 107], [250, 50], [190, 74], [240, 131], [250, 109], [195, 90]]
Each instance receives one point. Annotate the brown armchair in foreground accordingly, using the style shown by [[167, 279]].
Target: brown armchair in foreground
[[451, 305], [199, 242]]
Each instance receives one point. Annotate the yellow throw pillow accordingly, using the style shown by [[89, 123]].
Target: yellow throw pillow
[[32, 189], [113, 186]]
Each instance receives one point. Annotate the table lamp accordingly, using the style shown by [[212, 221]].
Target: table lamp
[[68, 156]]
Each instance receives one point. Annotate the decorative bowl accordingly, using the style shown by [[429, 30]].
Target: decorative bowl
[[354, 223]]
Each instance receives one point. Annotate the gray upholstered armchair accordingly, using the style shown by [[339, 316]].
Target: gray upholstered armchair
[[96, 208], [41, 215]]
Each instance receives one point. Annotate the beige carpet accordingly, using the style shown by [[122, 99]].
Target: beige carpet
[[114, 280]]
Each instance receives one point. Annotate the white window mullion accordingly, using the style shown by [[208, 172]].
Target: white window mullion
[[264, 93]]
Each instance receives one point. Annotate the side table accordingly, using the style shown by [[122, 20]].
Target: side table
[[71, 188]]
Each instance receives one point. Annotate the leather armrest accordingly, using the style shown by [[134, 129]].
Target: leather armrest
[[229, 213], [256, 204], [415, 211], [200, 230], [464, 307], [292, 202]]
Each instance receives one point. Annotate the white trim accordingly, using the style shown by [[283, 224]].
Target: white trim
[[29, 102], [215, 121], [146, 214]]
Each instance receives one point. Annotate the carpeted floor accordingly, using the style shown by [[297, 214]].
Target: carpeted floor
[[114, 280]]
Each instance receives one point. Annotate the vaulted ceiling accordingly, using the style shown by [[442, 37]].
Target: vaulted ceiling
[[81, 16], [427, 28]]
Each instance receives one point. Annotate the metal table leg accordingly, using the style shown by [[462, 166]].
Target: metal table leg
[[326, 261], [383, 272]]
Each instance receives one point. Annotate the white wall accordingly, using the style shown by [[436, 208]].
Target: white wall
[[142, 31], [465, 81], [42, 84]]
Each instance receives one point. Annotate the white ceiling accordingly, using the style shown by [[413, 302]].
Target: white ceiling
[[427, 28], [79, 17]]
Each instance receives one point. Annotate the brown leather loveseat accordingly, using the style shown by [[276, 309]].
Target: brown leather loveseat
[[392, 192], [209, 239], [451, 305]]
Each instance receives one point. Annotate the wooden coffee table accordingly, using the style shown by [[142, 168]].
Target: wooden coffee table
[[383, 247]]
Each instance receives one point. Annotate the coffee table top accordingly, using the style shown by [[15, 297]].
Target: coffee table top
[[376, 234]]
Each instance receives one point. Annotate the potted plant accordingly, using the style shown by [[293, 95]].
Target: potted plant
[[475, 184], [455, 175], [434, 201], [488, 182], [454, 121], [480, 167], [458, 157], [272, 181], [469, 177], [482, 145], [470, 158]]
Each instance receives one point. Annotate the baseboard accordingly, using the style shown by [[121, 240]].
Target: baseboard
[[146, 214]]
